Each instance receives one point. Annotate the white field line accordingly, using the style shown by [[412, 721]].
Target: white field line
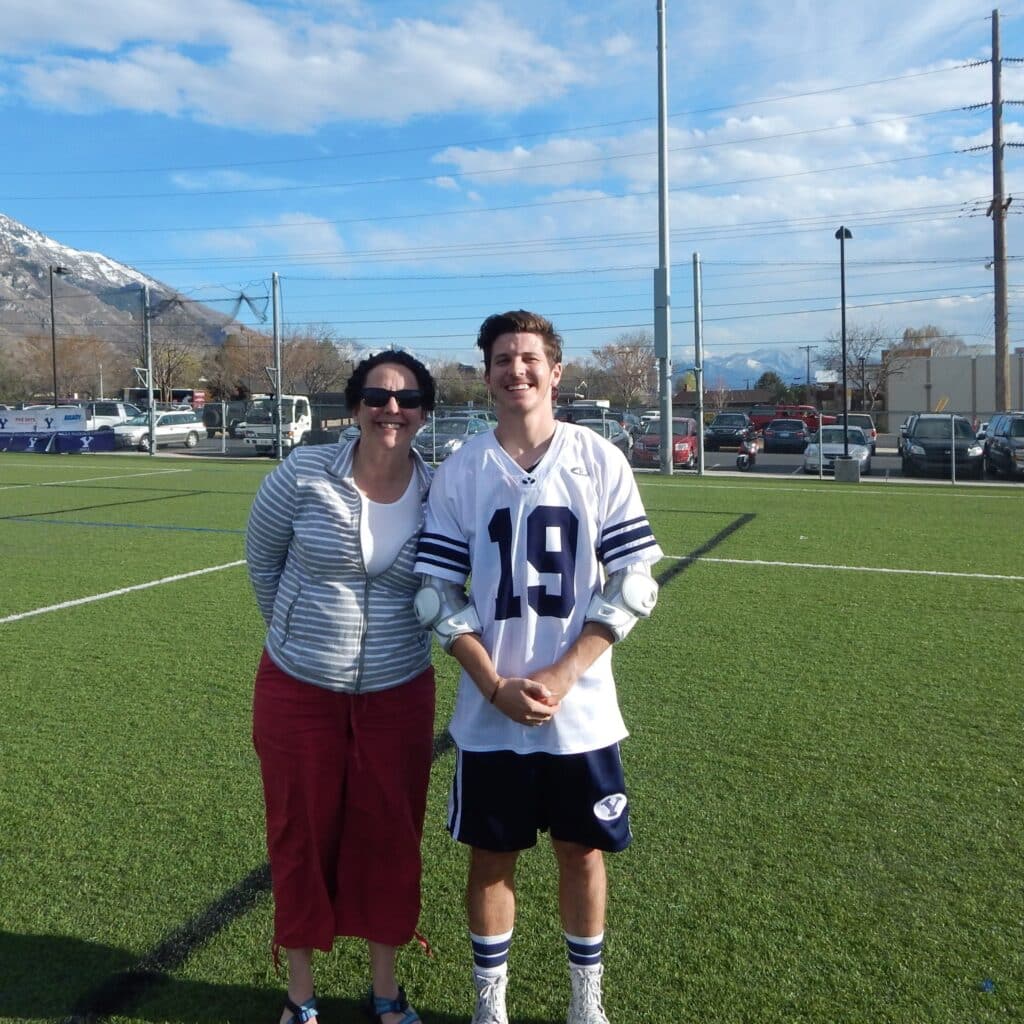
[[92, 479], [986, 491], [117, 593], [851, 568]]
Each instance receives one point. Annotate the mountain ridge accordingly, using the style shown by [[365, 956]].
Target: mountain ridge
[[92, 293]]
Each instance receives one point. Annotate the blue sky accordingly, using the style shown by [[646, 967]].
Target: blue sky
[[408, 168]]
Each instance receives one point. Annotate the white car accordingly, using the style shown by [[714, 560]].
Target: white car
[[170, 428], [830, 441], [103, 413]]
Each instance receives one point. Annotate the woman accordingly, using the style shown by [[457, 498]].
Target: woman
[[343, 707]]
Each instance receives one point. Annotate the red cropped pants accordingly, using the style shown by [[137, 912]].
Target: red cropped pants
[[345, 784]]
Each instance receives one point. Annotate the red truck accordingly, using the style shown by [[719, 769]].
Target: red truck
[[762, 415]]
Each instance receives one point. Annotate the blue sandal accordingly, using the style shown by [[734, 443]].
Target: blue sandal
[[303, 1013], [376, 1007]]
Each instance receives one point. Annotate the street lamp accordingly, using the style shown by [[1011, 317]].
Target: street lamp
[[843, 234], [53, 329]]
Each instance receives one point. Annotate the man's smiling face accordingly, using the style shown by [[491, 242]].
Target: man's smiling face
[[521, 376]]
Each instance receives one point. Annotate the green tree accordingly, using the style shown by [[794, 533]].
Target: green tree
[[770, 381]]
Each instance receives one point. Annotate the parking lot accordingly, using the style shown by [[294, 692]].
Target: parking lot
[[885, 462]]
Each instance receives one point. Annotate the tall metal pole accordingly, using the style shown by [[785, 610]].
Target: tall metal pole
[[808, 349], [843, 234], [998, 212], [148, 339], [278, 374], [662, 282], [698, 358], [53, 339]]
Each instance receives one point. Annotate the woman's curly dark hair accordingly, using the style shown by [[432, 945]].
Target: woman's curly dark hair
[[356, 383]]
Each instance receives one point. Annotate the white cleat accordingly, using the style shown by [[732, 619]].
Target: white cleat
[[490, 1000], [585, 1006]]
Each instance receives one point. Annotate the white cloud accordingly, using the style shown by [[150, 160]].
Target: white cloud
[[619, 45], [235, 65], [293, 233]]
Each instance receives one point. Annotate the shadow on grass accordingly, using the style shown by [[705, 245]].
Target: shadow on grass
[[53, 977]]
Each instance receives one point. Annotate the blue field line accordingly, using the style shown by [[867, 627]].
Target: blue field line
[[118, 526]]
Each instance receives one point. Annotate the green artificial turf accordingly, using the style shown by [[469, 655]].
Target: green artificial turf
[[824, 762]]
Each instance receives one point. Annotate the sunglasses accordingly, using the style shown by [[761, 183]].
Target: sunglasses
[[407, 398]]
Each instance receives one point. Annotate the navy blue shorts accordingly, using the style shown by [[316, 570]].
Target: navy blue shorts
[[500, 800]]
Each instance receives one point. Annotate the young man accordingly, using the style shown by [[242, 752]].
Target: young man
[[546, 518]]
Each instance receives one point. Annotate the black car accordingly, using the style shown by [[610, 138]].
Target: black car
[[928, 441], [727, 429], [1004, 444], [786, 436]]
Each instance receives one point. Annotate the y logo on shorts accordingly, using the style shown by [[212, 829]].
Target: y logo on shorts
[[610, 807]]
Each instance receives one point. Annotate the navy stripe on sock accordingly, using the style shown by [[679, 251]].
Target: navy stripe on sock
[[584, 954]]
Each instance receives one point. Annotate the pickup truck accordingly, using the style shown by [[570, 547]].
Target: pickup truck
[[760, 416], [261, 423]]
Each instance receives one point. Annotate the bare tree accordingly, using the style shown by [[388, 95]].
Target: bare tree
[[458, 383], [81, 361], [865, 367], [579, 378], [629, 364], [718, 395], [871, 360], [316, 361], [941, 343]]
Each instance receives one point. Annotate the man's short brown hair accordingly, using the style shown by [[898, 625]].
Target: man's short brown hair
[[519, 321]]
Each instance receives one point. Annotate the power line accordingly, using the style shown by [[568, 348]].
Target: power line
[[182, 193]]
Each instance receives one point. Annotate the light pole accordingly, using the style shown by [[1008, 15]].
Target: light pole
[[53, 330], [843, 234]]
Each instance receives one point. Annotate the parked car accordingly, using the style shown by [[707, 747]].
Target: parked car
[[235, 411], [929, 441], [727, 429], [811, 417], [102, 413], [762, 415], [829, 441], [439, 438], [865, 422], [583, 411], [1003, 448], [786, 436], [169, 428], [611, 430], [489, 415], [629, 421], [647, 450]]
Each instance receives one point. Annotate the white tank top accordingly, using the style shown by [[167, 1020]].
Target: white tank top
[[385, 527]]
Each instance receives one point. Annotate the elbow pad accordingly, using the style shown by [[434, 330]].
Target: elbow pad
[[442, 606], [628, 594]]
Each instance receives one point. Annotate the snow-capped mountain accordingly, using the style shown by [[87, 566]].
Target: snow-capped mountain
[[96, 294], [742, 369]]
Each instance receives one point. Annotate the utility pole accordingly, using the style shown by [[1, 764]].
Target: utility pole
[[808, 349], [698, 358], [997, 211], [662, 276], [278, 367], [148, 341]]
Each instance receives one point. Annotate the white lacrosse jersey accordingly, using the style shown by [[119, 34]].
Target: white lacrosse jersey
[[536, 547]]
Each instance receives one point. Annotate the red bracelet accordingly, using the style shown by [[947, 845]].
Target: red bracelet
[[497, 687]]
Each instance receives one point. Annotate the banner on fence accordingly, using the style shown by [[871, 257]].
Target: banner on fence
[[67, 442]]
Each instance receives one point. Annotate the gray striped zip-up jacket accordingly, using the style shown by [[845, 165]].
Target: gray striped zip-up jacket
[[328, 622]]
